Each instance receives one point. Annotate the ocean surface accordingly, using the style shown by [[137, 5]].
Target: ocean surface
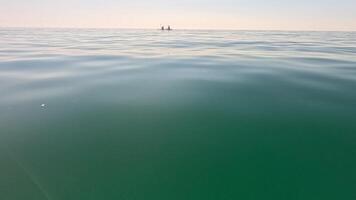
[[90, 114]]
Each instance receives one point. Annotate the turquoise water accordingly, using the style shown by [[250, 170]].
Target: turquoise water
[[145, 114]]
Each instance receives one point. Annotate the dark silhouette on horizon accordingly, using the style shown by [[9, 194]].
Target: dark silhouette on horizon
[[168, 28]]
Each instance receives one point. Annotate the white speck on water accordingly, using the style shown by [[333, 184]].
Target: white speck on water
[[43, 105]]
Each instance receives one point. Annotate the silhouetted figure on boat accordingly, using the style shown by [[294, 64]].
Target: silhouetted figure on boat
[[168, 28]]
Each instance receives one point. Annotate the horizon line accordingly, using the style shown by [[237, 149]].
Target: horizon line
[[179, 29]]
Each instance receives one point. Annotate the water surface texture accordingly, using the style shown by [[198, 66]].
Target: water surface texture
[[180, 115]]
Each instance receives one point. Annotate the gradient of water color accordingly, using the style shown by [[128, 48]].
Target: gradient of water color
[[145, 114]]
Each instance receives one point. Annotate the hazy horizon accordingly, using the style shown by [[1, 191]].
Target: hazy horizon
[[174, 28], [318, 15]]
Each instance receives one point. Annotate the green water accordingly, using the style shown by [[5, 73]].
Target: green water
[[139, 114]]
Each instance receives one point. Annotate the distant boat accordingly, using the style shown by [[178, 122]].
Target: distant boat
[[168, 28]]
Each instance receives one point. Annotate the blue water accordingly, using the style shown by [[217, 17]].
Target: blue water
[[146, 114]]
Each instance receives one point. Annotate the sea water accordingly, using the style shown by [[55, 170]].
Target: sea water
[[145, 114]]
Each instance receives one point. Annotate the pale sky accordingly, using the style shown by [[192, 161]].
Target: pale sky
[[182, 14]]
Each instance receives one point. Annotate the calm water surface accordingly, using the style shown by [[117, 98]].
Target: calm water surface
[[145, 114]]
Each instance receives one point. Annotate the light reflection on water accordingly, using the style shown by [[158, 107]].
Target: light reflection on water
[[145, 114]]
